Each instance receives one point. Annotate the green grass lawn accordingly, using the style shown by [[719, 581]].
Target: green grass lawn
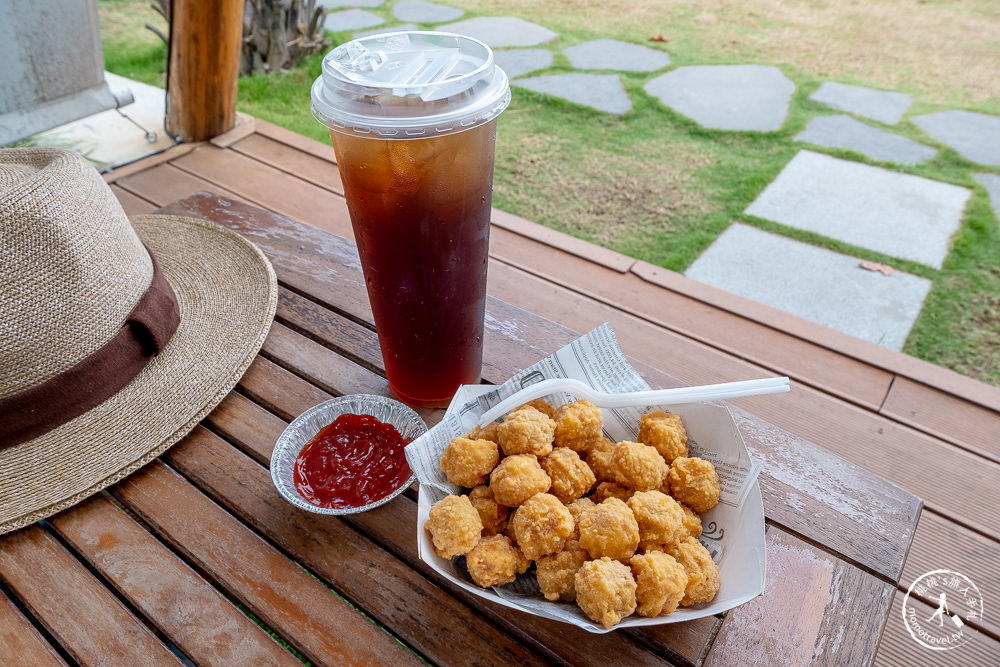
[[656, 186]]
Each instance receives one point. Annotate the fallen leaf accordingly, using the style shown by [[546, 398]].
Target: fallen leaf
[[884, 269], [658, 38]]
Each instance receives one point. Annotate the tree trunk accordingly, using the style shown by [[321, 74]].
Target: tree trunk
[[204, 67], [278, 34]]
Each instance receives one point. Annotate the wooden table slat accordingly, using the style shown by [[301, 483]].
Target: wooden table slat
[[87, 620], [267, 186], [187, 609], [244, 423], [316, 170], [305, 613], [167, 183], [306, 258], [679, 314], [306, 315], [958, 421], [851, 348], [132, 204], [265, 379], [441, 628], [823, 498], [899, 648], [321, 365], [815, 608], [941, 543], [296, 141], [18, 636]]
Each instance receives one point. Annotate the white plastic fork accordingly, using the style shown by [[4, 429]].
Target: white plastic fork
[[708, 392]]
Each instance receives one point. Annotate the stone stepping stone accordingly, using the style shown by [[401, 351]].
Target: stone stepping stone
[[975, 136], [842, 131], [337, 4], [420, 11], [612, 54], [881, 105], [516, 62], [726, 97], [897, 214], [992, 184], [814, 283], [502, 31], [351, 19], [603, 92]]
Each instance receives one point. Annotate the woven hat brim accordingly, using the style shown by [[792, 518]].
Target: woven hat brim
[[227, 293]]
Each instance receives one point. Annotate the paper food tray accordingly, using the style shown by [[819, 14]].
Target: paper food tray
[[733, 531]]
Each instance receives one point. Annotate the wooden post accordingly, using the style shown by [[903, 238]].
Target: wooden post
[[205, 39]]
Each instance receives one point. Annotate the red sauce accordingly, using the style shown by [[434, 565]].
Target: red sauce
[[354, 461]]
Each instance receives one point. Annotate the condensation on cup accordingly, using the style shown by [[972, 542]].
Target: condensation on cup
[[412, 118]]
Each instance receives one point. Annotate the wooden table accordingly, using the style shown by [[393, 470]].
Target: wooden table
[[174, 560]]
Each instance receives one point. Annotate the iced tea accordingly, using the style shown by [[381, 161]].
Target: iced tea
[[420, 209]]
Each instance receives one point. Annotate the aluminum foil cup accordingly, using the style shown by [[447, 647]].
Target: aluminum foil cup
[[305, 427]]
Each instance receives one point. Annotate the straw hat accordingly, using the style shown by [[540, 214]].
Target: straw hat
[[98, 374]]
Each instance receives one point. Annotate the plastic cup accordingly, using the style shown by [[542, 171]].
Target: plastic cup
[[412, 119]]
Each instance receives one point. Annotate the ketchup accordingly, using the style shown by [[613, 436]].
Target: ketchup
[[354, 461]]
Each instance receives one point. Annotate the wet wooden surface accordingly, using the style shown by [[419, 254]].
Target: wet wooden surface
[[175, 560], [835, 530], [323, 344]]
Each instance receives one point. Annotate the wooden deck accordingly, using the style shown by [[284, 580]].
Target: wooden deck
[[930, 430]]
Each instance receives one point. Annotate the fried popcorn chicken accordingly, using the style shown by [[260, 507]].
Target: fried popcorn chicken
[[556, 573], [526, 431], [491, 513], [694, 482], [703, 573], [571, 477], [541, 525], [660, 583], [509, 534], [517, 478], [485, 432], [605, 591], [665, 487], [577, 508], [665, 432], [659, 516], [629, 547], [690, 527], [692, 522], [649, 547], [495, 562], [607, 490], [637, 466], [541, 405], [599, 459], [454, 526], [468, 462], [578, 425], [610, 529]]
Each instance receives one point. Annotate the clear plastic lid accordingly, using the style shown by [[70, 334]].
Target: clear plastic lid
[[409, 85]]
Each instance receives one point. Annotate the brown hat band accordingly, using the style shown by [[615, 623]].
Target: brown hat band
[[66, 396]]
